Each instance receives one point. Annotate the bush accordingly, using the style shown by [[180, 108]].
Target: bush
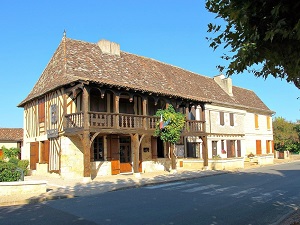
[[8, 172], [14, 161], [11, 152], [23, 164]]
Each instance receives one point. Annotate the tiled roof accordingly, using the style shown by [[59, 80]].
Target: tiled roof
[[11, 134], [77, 60]]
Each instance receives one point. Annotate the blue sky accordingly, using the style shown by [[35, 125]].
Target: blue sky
[[171, 31]]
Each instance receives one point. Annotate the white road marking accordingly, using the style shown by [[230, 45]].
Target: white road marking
[[265, 197], [244, 193], [201, 188], [164, 185], [219, 190], [181, 186]]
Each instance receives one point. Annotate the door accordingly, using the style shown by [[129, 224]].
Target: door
[[34, 155], [258, 147], [214, 148], [239, 149], [113, 153], [125, 155]]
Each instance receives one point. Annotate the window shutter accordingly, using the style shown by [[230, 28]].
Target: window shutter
[[268, 122], [256, 121], [222, 118], [268, 146], [231, 116], [41, 110]]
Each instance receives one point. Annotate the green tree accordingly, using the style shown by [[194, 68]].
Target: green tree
[[174, 124], [264, 33], [171, 132], [285, 135]]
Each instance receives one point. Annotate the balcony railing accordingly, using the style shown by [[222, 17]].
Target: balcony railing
[[104, 120]]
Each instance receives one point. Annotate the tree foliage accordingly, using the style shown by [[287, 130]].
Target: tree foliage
[[263, 33], [286, 135], [171, 132], [11, 152]]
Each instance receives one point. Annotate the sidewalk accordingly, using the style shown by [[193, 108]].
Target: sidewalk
[[58, 187]]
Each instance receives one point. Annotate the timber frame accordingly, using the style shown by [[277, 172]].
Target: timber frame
[[89, 124]]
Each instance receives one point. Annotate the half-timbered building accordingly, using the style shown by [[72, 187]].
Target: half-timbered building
[[91, 113]]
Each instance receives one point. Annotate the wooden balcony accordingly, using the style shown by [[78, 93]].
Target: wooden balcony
[[123, 123]]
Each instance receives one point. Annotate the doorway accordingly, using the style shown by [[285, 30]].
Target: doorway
[[214, 148], [125, 155]]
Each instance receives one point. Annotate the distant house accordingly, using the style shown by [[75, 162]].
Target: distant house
[[91, 113], [10, 138]]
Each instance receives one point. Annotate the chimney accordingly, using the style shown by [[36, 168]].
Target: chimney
[[109, 47], [224, 83]]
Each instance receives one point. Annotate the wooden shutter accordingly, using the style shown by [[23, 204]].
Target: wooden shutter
[[258, 147], [222, 122], [256, 121], [45, 148], [268, 146], [41, 110], [154, 147], [231, 117], [268, 122], [228, 148], [238, 148], [34, 155]]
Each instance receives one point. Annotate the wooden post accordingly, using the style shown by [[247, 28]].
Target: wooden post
[[86, 135], [204, 150], [145, 113], [117, 109], [173, 157], [135, 144], [64, 109]]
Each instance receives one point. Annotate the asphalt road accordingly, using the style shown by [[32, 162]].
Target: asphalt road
[[258, 196]]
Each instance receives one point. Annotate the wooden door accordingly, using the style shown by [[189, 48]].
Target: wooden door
[[230, 148], [154, 147], [258, 147], [34, 155], [125, 155], [239, 149], [45, 148], [214, 148], [114, 153]]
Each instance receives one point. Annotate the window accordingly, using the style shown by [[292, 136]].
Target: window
[[222, 145], [222, 122], [256, 121], [192, 113], [98, 149], [231, 117], [193, 150], [41, 110]]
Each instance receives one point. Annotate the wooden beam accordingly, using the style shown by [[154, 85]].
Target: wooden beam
[[86, 135], [135, 145]]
